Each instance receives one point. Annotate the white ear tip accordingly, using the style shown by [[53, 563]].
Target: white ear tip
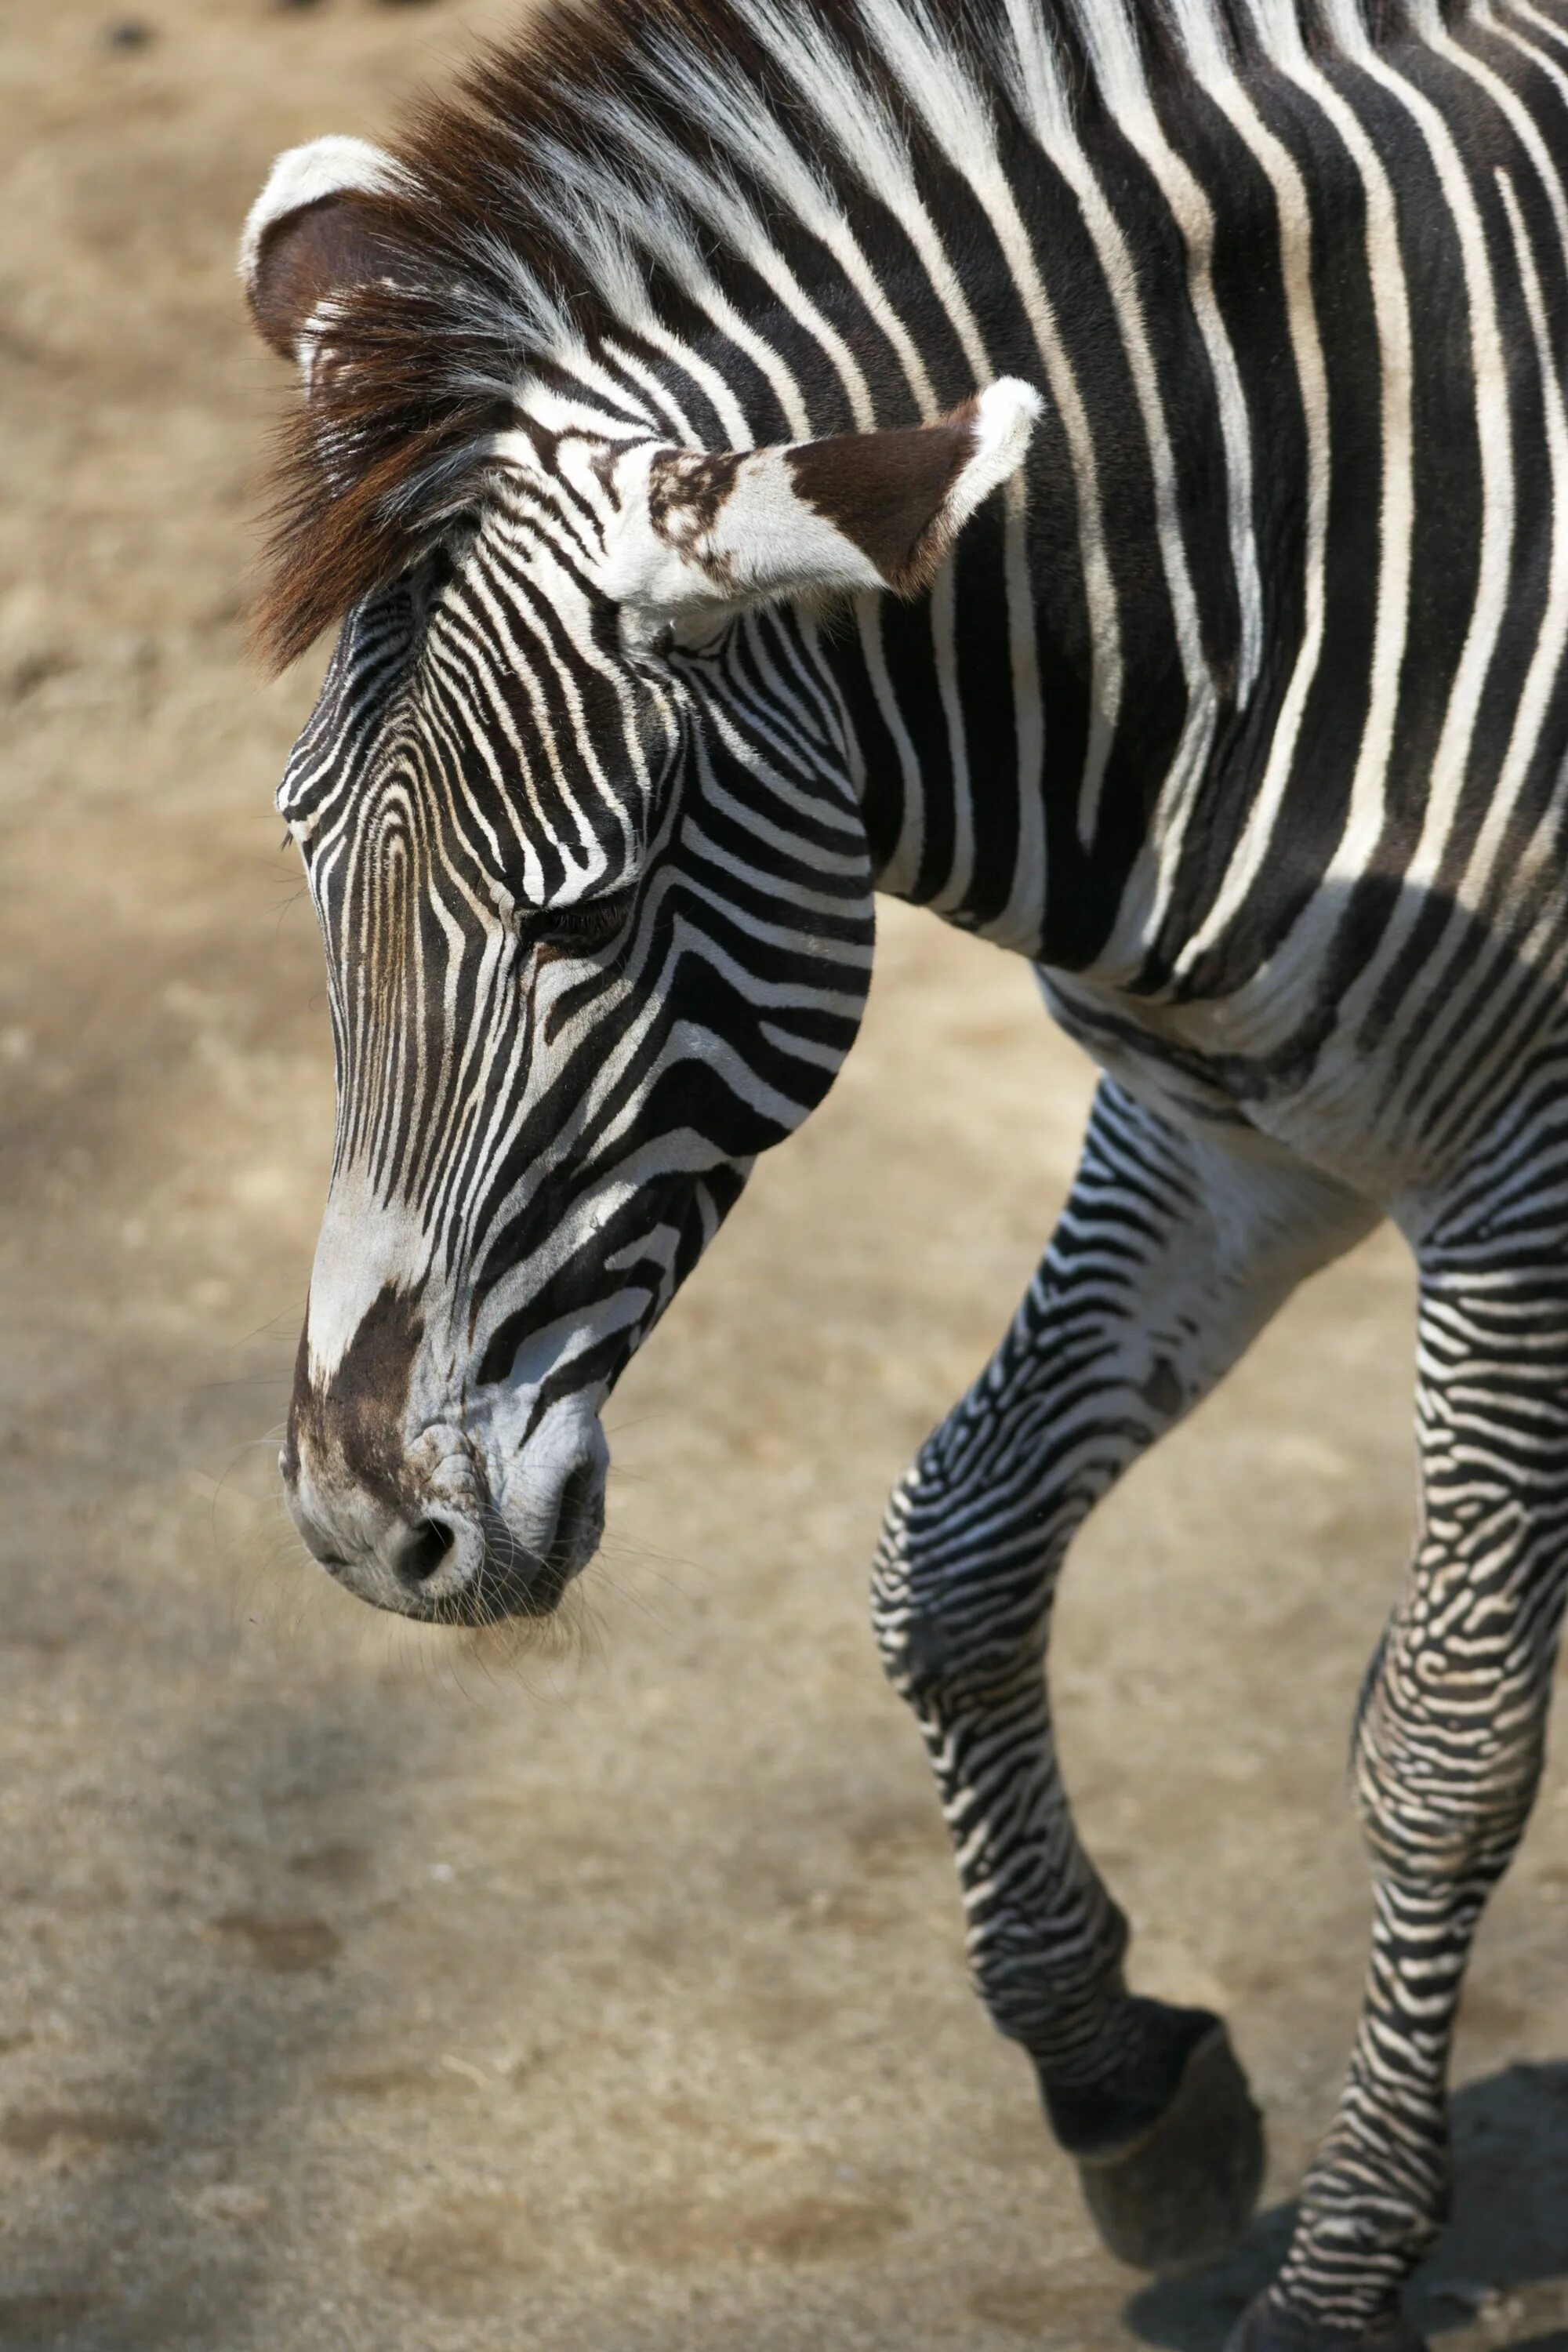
[[1006, 414], [303, 175]]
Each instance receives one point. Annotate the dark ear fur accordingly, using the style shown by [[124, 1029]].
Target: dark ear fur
[[321, 249], [886, 490], [315, 232]]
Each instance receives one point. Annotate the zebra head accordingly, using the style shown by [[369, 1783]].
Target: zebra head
[[578, 806]]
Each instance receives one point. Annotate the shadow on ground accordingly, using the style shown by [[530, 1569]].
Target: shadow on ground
[[167, 2237], [1508, 2237]]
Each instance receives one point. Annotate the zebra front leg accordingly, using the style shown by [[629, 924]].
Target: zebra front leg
[[1449, 1738], [1170, 1256]]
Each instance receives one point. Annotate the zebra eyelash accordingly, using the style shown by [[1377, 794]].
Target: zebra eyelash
[[590, 923]]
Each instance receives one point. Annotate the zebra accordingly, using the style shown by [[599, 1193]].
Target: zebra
[[1095, 469]]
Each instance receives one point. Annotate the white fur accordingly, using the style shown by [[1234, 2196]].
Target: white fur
[[366, 1246], [1006, 413], [769, 540]]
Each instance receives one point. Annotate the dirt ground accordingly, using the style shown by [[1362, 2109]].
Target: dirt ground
[[366, 1989]]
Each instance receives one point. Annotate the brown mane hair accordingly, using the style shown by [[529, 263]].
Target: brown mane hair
[[418, 370]]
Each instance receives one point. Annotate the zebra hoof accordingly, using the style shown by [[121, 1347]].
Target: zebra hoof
[[1182, 2194], [1264, 2326]]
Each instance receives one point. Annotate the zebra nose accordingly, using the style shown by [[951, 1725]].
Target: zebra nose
[[403, 1561]]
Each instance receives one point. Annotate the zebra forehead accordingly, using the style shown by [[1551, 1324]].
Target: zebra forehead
[[388, 786]]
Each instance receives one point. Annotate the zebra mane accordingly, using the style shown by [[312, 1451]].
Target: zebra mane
[[583, 178]]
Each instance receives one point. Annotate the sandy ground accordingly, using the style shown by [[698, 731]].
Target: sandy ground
[[363, 1989]]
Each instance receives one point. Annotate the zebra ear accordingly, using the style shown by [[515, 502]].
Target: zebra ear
[[700, 531], [311, 235]]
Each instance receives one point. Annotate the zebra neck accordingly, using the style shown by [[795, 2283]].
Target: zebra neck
[[1000, 786], [1034, 736]]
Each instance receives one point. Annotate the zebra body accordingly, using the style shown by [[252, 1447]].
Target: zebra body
[[1094, 470]]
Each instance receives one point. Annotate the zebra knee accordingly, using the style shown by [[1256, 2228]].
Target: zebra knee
[[946, 1623], [1446, 1773], [909, 1615]]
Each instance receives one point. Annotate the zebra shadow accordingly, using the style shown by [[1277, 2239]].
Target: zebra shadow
[[1501, 2270]]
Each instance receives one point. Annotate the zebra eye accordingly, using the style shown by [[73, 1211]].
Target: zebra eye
[[586, 925]]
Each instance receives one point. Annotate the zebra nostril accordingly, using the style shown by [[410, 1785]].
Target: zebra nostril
[[420, 1551], [576, 1499]]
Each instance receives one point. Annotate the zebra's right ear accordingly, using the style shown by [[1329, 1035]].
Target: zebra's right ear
[[311, 235], [701, 533]]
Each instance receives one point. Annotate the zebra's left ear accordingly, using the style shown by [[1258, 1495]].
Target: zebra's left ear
[[700, 531], [311, 235]]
